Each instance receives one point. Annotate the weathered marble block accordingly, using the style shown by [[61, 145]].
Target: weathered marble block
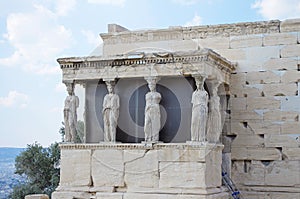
[[37, 196], [262, 120], [141, 168], [161, 170], [107, 168], [75, 169], [109, 196], [194, 175]]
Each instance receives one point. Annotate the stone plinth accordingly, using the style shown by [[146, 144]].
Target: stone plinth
[[37, 196], [140, 171]]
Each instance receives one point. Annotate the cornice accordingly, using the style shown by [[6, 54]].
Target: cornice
[[142, 59], [193, 32]]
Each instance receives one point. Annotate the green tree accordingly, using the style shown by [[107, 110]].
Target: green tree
[[79, 130], [41, 168]]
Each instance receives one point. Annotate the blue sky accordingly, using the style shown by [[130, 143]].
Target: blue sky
[[34, 33]]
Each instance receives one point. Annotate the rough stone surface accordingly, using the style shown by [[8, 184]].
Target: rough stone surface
[[171, 196], [194, 176], [290, 51], [278, 173], [262, 118], [141, 168], [214, 43], [70, 195], [280, 65], [291, 76], [107, 168], [246, 41], [291, 153], [238, 153], [75, 168], [270, 195], [280, 141], [109, 195], [262, 77], [290, 25], [280, 39], [117, 169], [37, 196]]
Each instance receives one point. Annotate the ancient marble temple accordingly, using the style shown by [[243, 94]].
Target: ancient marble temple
[[165, 111]]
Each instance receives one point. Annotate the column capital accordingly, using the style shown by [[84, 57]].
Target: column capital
[[70, 87], [203, 77], [152, 79], [68, 82], [213, 86], [109, 79], [199, 79]]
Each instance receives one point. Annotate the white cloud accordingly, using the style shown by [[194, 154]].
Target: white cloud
[[14, 98], [196, 21], [91, 37], [277, 9], [108, 2], [38, 39], [63, 7]]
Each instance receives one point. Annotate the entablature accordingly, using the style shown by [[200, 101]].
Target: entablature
[[205, 62]]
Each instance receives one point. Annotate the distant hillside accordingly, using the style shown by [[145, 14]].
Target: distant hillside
[[7, 168], [9, 154]]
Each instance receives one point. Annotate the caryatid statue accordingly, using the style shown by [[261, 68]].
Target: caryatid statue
[[199, 111], [70, 114], [214, 122], [152, 111], [110, 111]]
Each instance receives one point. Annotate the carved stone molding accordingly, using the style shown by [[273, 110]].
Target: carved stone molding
[[205, 62], [195, 32], [134, 146]]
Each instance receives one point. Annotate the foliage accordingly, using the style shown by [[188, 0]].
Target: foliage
[[41, 167], [20, 191], [79, 130], [62, 132]]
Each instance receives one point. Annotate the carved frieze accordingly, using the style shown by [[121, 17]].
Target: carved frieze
[[204, 61]]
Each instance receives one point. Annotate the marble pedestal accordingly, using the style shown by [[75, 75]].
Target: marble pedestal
[[133, 171]]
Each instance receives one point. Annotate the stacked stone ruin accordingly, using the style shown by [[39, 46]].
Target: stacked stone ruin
[[261, 126]]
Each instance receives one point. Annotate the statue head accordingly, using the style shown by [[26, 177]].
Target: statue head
[[199, 82], [151, 86], [70, 88], [152, 83], [110, 86], [213, 85]]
